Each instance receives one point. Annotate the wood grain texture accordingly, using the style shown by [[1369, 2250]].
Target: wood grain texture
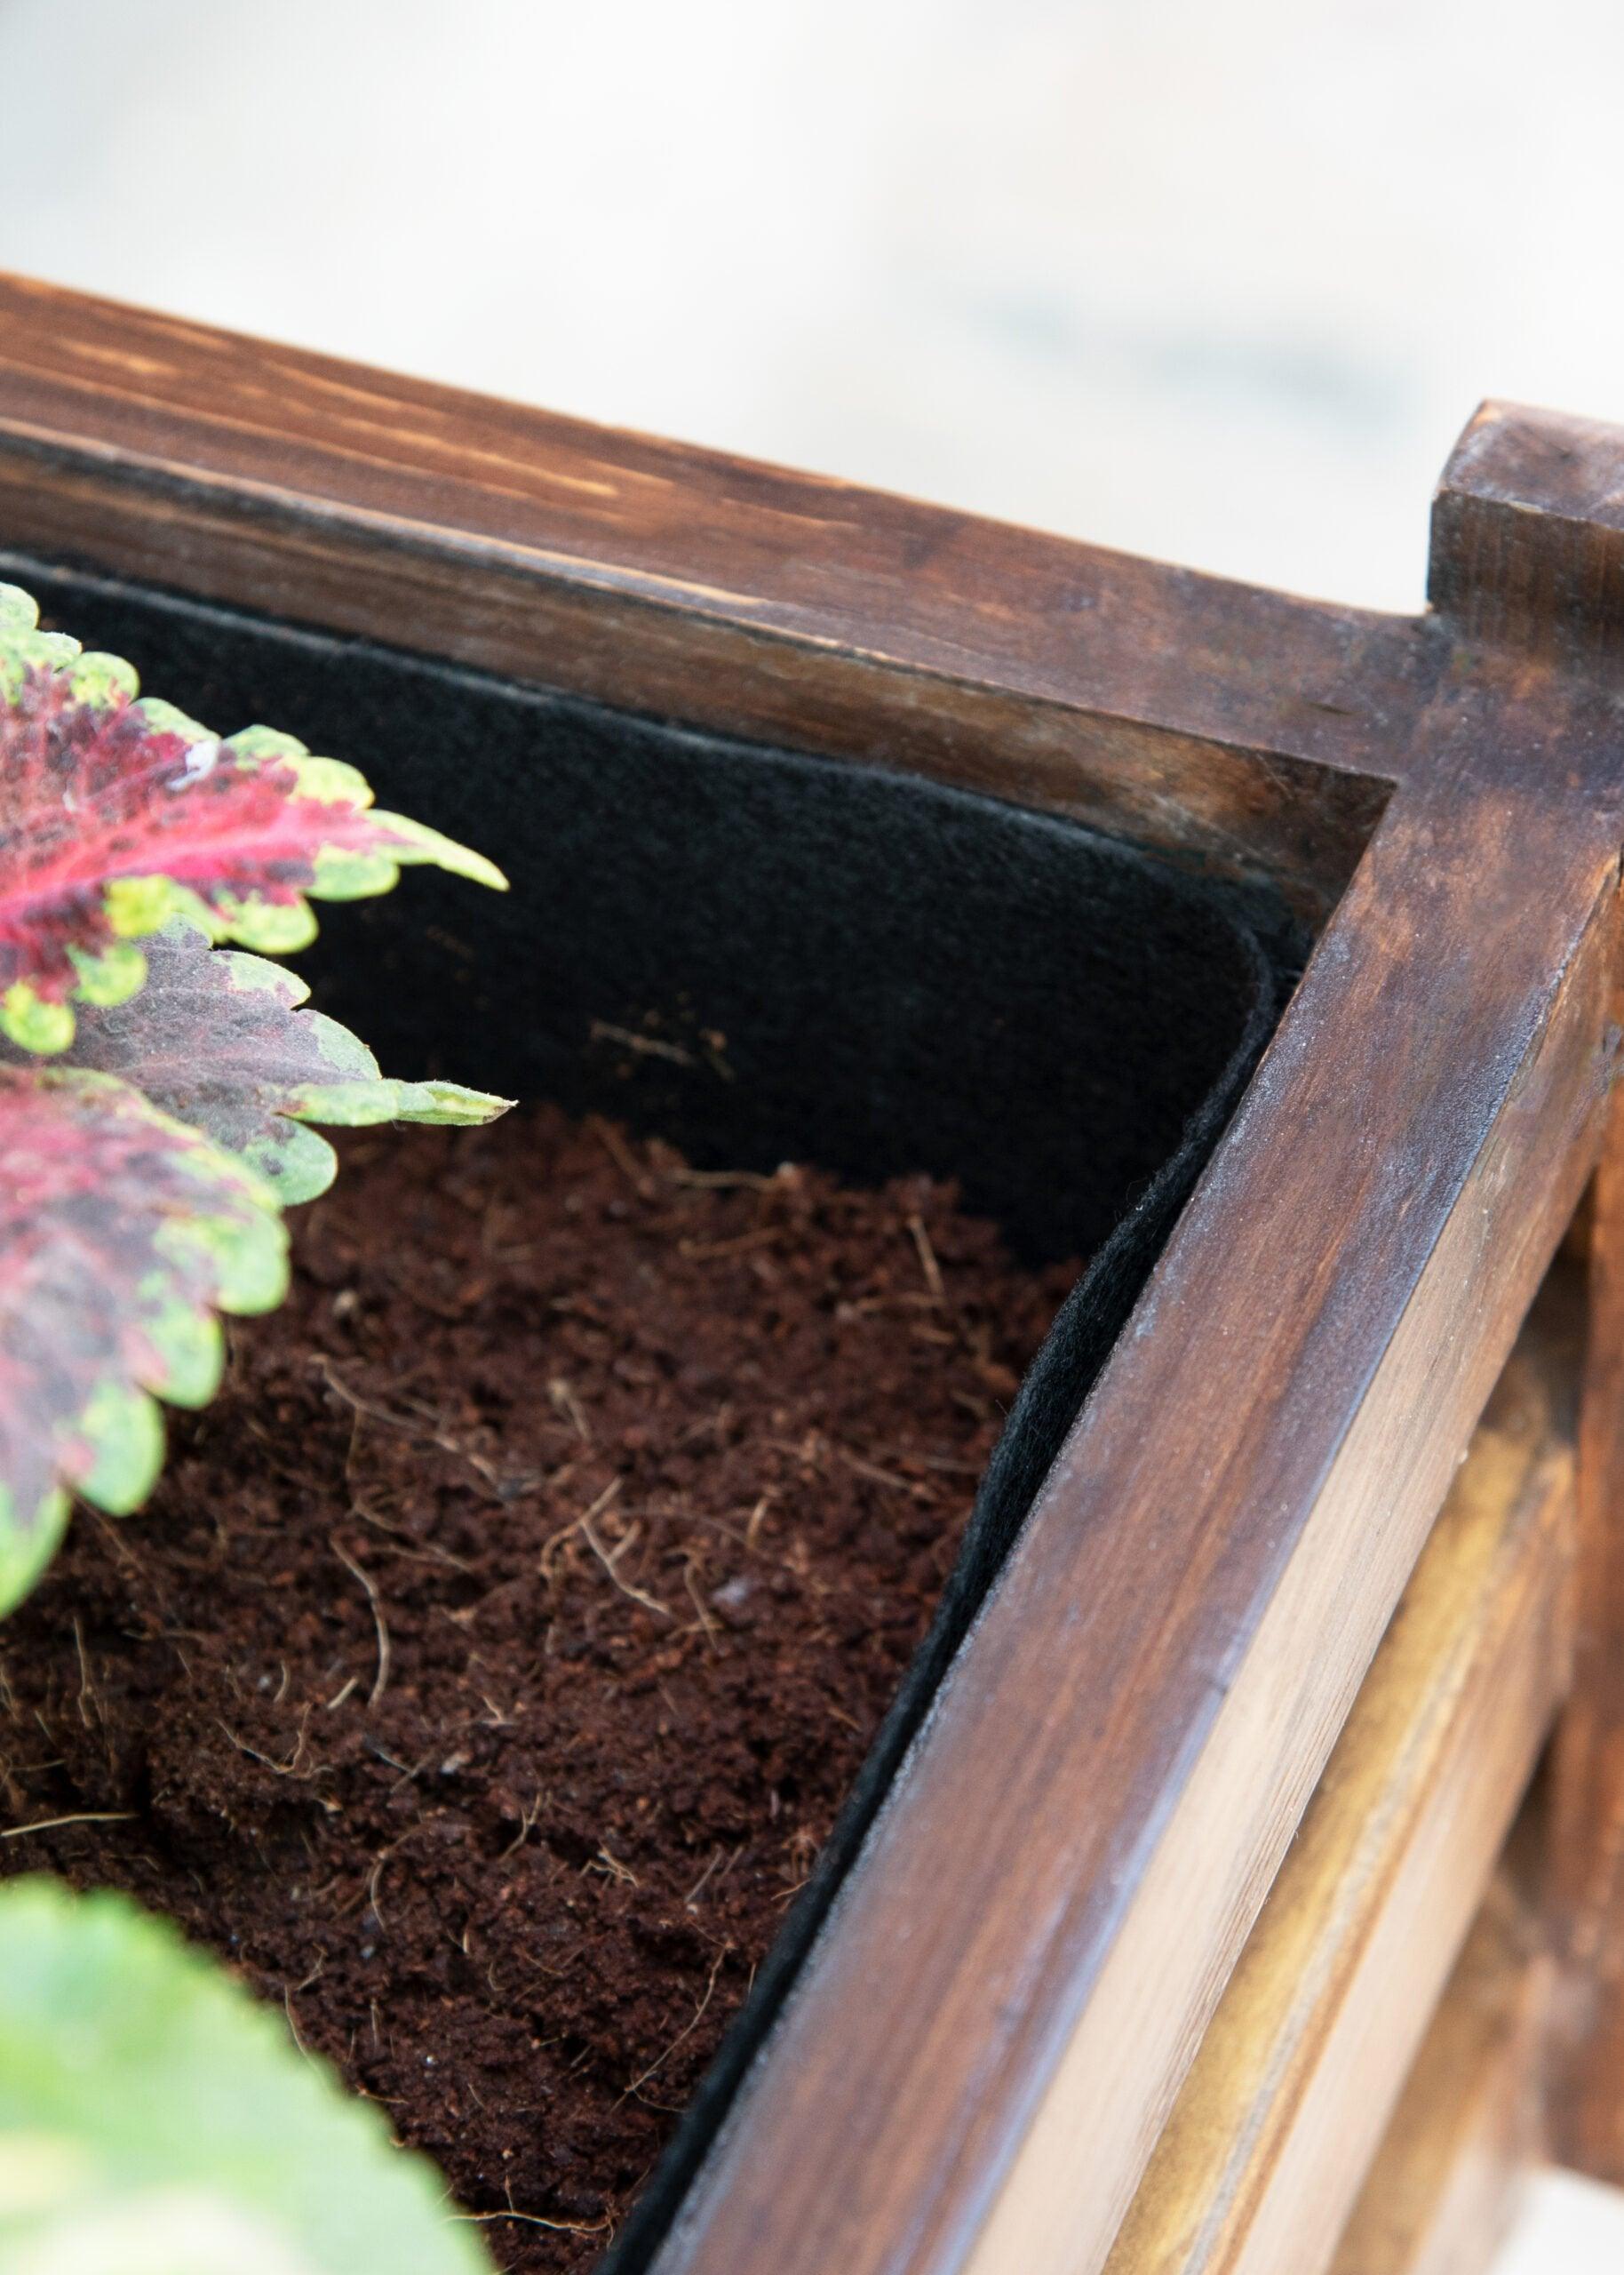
[[1586, 1855], [990, 2032], [1444, 2185], [1285, 2102], [1238, 729], [1528, 533]]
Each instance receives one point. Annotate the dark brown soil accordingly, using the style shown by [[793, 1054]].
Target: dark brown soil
[[496, 1654]]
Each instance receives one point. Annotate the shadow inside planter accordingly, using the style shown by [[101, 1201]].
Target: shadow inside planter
[[763, 956]]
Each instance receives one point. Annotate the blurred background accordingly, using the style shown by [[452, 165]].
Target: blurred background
[[1218, 280]]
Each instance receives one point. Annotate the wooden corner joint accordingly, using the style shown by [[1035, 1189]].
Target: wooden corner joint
[[1528, 534]]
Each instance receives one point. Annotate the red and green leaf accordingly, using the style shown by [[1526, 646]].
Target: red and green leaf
[[122, 1234], [117, 813], [217, 1039]]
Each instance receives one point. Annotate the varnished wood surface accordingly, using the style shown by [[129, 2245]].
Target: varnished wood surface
[[990, 2032], [1585, 2083], [1232, 726], [1465, 2135], [1284, 2106], [1531, 517]]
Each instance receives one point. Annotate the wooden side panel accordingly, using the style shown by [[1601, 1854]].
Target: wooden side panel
[[1236, 727], [1282, 2109], [1587, 1851], [1444, 2187]]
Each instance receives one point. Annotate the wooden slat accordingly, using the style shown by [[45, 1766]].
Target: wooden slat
[[1587, 1856], [1237, 728], [1285, 2102], [1444, 2188]]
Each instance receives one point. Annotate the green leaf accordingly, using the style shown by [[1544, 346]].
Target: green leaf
[[117, 813], [155, 2120], [122, 1233], [219, 1040]]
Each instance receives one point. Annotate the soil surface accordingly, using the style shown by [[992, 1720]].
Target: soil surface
[[498, 1649]]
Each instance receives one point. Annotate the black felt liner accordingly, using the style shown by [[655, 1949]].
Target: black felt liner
[[834, 963]]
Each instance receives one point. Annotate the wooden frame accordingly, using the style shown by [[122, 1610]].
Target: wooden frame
[[990, 2034]]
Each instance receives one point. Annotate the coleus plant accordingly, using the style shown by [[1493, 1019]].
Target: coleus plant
[[156, 1088]]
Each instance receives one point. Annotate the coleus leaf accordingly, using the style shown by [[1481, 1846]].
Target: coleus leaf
[[217, 1039], [122, 1233], [154, 2119], [118, 813]]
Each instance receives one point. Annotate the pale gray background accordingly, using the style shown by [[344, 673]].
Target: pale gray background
[[1214, 279]]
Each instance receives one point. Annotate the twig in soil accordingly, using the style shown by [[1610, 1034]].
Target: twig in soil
[[871, 1469], [287, 2008], [288, 1768], [702, 1251], [527, 1826], [87, 1689], [615, 1146], [677, 1512], [612, 1868], [698, 2016], [85, 1816], [547, 1558], [505, 1488], [566, 1402], [432, 1555], [723, 1179], [375, 1876], [534, 2220], [288, 1996], [690, 1902], [371, 1585], [339, 1696], [705, 1620], [117, 1539], [928, 1259], [626, 1588], [601, 1031]]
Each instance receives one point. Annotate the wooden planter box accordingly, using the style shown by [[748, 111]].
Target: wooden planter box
[[1011, 2049]]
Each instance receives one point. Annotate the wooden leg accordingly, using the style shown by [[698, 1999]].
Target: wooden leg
[[1585, 1872]]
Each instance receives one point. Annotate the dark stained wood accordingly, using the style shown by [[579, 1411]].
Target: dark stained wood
[[1586, 1850], [1529, 531], [993, 2027], [1237, 728]]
